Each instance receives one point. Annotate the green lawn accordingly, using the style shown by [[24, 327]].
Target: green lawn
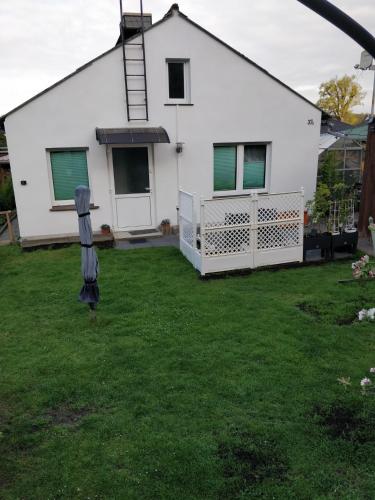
[[182, 389]]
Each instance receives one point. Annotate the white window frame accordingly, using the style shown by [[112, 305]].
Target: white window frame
[[55, 202], [239, 170], [187, 84]]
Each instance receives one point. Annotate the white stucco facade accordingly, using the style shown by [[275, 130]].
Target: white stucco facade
[[232, 101]]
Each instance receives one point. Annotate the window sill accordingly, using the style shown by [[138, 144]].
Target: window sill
[[252, 192], [69, 208], [178, 104]]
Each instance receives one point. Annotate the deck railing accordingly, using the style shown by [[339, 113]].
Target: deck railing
[[7, 227], [241, 232]]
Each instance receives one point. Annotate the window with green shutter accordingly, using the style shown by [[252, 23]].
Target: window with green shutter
[[225, 168], [239, 168], [69, 170], [254, 166]]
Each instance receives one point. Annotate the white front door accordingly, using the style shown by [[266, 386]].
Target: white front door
[[133, 196]]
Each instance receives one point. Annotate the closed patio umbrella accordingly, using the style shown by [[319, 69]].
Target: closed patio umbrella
[[89, 293]]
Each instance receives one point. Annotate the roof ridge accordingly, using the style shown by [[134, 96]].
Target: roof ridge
[[174, 9]]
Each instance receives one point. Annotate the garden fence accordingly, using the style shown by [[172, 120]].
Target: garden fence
[[228, 233], [6, 228]]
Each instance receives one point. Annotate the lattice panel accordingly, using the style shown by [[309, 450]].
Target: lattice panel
[[186, 205], [227, 241], [279, 236], [186, 231], [276, 207], [227, 212]]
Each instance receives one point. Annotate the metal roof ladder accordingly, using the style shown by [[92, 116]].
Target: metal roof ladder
[[134, 59]]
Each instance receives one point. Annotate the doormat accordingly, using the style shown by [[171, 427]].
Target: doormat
[[137, 240], [143, 231]]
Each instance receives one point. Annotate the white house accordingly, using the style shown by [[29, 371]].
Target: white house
[[209, 120]]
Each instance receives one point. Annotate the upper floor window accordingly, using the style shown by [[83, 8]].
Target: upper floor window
[[68, 170], [240, 167], [178, 81]]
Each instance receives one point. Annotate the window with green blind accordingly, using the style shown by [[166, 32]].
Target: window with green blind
[[225, 168], [69, 170], [254, 166], [240, 167]]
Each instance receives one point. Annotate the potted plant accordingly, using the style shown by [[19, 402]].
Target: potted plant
[[165, 226], [344, 234], [332, 213], [319, 238], [106, 229]]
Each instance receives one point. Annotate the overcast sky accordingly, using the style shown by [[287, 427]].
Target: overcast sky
[[43, 40]]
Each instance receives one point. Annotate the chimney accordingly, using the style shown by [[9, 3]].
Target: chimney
[[132, 24]]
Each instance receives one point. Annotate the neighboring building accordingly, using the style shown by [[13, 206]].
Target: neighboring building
[[218, 124], [4, 165], [348, 146]]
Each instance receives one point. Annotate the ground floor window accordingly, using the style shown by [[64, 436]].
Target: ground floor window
[[240, 167], [68, 170]]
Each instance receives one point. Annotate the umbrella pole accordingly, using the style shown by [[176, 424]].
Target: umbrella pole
[[92, 310]]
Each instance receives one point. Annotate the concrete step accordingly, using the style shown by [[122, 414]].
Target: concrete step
[[136, 235]]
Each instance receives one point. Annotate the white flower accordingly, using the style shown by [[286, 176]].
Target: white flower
[[354, 265], [365, 381], [371, 313], [362, 314], [366, 259], [372, 370]]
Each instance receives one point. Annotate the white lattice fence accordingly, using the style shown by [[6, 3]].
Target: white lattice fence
[[242, 232], [251, 231], [188, 229]]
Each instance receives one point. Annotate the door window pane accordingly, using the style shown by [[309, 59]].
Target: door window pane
[[130, 168], [176, 80], [225, 168], [254, 167], [69, 170]]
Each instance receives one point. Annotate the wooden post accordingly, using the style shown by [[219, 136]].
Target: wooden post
[[10, 227], [367, 206]]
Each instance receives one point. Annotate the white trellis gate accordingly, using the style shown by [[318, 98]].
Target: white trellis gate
[[240, 232]]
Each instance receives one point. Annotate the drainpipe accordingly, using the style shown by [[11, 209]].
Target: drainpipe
[[110, 186], [177, 165]]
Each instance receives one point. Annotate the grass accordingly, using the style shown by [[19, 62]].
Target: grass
[[182, 389]]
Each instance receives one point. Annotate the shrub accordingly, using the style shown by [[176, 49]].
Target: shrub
[[7, 201]]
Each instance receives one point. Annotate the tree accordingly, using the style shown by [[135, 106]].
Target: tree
[[3, 141], [338, 97]]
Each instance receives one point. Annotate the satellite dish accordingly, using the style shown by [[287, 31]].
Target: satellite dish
[[366, 60]]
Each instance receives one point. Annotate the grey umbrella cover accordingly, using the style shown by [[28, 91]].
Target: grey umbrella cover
[[89, 261]]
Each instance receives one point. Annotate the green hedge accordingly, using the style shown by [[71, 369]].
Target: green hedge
[[7, 201]]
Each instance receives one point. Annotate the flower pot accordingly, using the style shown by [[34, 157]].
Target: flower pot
[[166, 229], [306, 217], [106, 231], [345, 241], [321, 241]]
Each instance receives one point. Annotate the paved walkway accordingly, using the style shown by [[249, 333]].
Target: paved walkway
[[163, 241]]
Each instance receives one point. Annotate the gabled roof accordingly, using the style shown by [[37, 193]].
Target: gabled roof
[[332, 125], [358, 133], [174, 10]]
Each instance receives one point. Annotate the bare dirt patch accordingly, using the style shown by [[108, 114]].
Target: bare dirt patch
[[309, 309], [65, 415], [347, 421], [249, 458]]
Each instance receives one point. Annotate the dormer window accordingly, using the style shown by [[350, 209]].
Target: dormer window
[[178, 72]]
